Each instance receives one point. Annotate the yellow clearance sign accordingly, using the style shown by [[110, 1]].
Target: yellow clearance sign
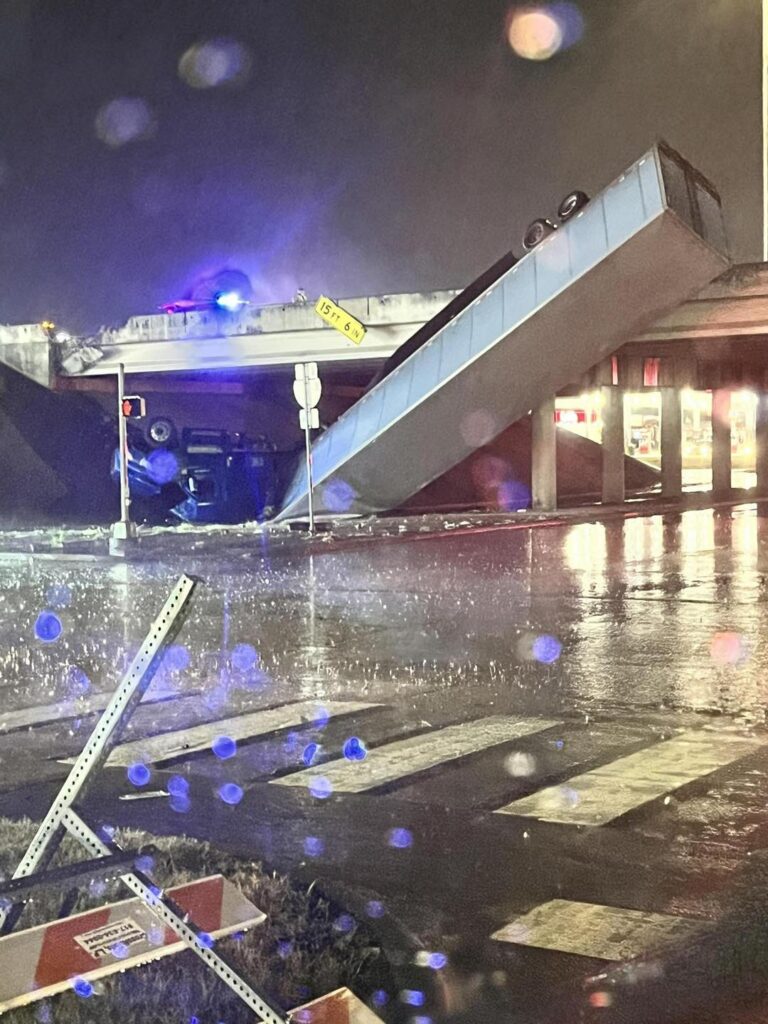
[[339, 318]]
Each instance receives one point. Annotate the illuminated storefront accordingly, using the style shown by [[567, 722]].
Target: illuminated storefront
[[581, 414]]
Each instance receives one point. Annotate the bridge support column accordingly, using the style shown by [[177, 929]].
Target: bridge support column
[[544, 457], [613, 445], [761, 442], [721, 441], [671, 443]]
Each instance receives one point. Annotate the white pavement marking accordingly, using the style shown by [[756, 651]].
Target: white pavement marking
[[403, 758], [43, 714], [180, 742], [599, 796], [588, 929]]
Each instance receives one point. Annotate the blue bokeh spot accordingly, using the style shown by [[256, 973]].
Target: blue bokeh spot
[[224, 747], [309, 753], [413, 997], [244, 657], [400, 838], [162, 466], [180, 803], [178, 785], [322, 717], [231, 793], [138, 774], [48, 627], [313, 846], [546, 648], [77, 682], [354, 749]]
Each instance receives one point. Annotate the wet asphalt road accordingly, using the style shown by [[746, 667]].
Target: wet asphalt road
[[620, 634]]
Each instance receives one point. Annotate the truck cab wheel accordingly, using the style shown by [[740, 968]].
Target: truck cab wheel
[[161, 432]]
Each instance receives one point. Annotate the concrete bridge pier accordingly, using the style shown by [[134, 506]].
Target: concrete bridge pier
[[544, 457], [721, 442], [613, 444], [761, 442], [671, 443]]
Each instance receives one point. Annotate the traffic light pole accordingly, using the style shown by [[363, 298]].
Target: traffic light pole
[[124, 529]]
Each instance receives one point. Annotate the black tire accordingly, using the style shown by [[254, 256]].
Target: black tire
[[571, 205], [161, 432], [537, 231]]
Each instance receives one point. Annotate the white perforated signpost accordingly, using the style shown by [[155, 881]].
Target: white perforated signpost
[[307, 390], [49, 958]]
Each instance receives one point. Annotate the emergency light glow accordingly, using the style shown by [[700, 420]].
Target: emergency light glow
[[231, 301]]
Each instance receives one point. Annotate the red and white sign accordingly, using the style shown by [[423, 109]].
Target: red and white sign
[[42, 961], [339, 1007]]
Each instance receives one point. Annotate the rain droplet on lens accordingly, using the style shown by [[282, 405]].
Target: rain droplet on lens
[[231, 793]]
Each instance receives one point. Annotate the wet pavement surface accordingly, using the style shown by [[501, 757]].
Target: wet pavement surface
[[617, 668]]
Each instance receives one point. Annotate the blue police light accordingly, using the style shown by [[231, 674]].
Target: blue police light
[[231, 301]]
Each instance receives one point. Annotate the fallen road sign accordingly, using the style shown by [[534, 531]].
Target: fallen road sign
[[337, 317], [338, 1007], [44, 960]]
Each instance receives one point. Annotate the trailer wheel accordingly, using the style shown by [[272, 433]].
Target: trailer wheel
[[537, 232], [571, 205]]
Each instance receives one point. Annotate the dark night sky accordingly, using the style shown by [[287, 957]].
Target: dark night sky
[[378, 145]]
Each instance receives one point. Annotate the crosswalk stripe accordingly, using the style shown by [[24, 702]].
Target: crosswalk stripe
[[599, 796], [589, 929], [181, 742], [44, 714], [403, 758]]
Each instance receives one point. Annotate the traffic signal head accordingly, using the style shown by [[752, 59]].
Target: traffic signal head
[[133, 407]]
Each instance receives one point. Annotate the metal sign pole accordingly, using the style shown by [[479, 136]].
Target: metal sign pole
[[307, 390], [308, 450], [103, 738], [122, 424]]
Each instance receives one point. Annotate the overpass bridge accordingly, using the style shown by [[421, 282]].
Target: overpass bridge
[[257, 337], [708, 335]]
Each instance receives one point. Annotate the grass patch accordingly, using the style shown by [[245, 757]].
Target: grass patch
[[303, 950]]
